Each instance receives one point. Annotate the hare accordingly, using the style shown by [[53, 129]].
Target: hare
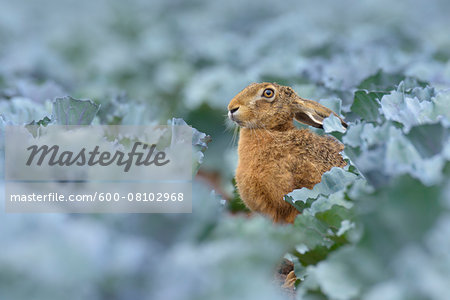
[[275, 157]]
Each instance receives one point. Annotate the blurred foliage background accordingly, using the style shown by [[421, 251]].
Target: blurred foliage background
[[377, 230]]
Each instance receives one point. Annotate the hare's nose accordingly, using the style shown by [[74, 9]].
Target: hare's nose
[[233, 110]]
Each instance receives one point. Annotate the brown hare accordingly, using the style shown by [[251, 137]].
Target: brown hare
[[275, 157]]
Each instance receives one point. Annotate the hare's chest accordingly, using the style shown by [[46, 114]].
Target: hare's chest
[[262, 180], [263, 163]]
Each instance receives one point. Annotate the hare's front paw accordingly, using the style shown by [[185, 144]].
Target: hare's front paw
[[290, 280]]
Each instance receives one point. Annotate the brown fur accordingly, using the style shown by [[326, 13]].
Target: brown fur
[[274, 156]]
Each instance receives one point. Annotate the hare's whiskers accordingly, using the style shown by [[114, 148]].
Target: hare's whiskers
[[234, 139]]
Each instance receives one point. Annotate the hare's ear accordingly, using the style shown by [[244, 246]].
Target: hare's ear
[[312, 113]]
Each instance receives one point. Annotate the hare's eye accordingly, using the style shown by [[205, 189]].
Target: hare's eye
[[268, 93]]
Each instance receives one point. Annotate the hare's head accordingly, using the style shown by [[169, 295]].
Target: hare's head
[[270, 106]]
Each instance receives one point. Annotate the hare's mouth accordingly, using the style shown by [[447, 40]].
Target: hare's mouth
[[239, 123], [234, 117], [236, 120]]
